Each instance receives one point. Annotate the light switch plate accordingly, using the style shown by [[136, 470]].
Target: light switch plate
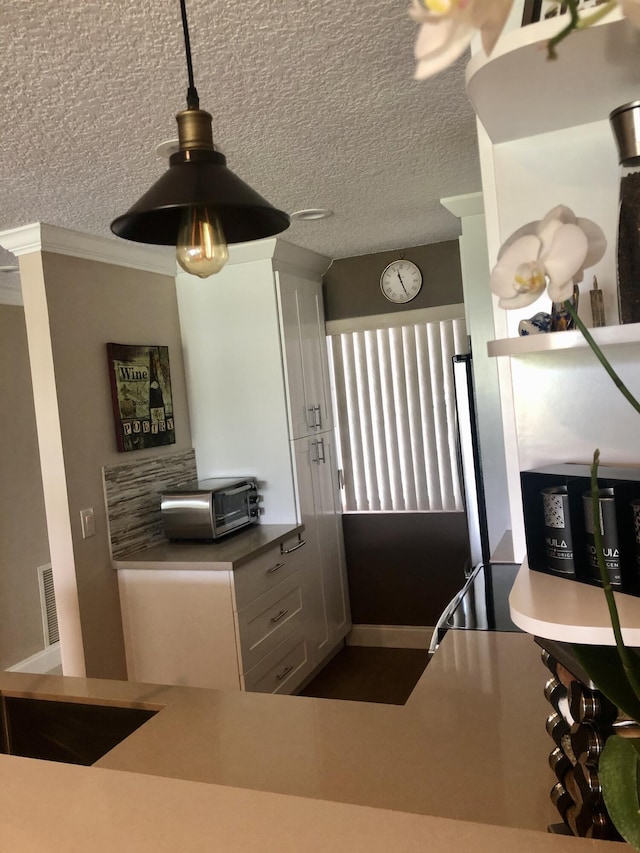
[[87, 519]]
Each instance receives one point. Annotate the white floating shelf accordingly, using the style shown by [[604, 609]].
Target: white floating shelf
[[572, 612], [606, 336], [518, 93]]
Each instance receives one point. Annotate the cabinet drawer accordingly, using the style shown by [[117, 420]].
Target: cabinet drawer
[[283, 669], [269, 619], [266, 571]]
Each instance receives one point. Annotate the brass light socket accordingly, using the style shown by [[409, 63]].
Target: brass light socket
[[194, 130]]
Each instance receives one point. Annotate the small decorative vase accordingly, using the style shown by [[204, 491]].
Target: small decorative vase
[[625, 123], [536, 325]]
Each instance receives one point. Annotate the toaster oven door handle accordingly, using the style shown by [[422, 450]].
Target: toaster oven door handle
[[248, 487]]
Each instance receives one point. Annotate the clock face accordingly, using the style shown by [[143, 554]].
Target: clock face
[[401, 281]]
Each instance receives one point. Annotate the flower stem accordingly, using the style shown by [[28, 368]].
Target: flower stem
[[623, 652], [601, 357], [572, 25]]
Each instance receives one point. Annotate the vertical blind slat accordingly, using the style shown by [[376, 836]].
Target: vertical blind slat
[[396, 416]]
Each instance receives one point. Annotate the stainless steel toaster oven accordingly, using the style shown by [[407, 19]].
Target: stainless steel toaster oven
[[209, 509]]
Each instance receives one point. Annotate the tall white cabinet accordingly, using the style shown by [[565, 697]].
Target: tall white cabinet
[[259, 401]]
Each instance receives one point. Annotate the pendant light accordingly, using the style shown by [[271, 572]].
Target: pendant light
[[198, 205]]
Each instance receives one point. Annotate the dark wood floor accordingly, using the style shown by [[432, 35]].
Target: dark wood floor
[[365, 674]]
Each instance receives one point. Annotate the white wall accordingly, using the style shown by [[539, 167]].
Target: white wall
[[235, 385]]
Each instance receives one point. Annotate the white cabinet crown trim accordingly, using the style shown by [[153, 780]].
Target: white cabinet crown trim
[[41, 237], [284, 256]]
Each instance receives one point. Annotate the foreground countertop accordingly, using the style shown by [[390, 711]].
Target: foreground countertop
[[77, 809], [470, 744], [225, 555], [461, 766]]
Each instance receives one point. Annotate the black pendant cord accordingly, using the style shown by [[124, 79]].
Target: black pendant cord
[[193, 102]]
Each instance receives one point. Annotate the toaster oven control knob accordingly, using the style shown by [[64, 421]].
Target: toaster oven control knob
[[254, 509]]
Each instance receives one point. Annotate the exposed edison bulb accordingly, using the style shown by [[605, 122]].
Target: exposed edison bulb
[[201, 248]]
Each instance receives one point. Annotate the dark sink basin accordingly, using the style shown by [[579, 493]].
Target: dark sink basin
[[72, 732]]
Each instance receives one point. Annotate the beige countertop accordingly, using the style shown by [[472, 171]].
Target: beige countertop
[[262, 771], [224, 555], [80, 809]]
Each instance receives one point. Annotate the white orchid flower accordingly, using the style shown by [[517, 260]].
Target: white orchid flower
[[551, 254], [448, 27]]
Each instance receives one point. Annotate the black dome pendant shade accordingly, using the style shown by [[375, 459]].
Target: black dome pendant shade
[[198, 177]]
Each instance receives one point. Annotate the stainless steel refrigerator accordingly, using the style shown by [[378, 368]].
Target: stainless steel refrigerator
[[482, 603]]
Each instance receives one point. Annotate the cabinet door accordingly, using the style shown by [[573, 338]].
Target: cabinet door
[[330, 538], [305, 354], [304, 452], [321, 514]]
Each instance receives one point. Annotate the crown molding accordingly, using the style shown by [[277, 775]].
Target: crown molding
[[284, 255], [10, 295], [41, 237], [295, 258], [471, 204]]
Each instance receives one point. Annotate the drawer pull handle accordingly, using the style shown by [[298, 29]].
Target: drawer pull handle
[[284, 672], [279, 616], [295, 547], [275, 568]]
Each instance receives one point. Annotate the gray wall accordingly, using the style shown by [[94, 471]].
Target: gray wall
[[23, 530], [73, 307], [352, 285], [403, 568]]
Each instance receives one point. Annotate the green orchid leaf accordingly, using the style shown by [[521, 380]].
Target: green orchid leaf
[[604, 667], [618, 770]]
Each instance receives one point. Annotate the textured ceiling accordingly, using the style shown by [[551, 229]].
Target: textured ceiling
[[314, 104]]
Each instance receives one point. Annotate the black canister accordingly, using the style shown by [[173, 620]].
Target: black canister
[[557, 531], [609, 533]]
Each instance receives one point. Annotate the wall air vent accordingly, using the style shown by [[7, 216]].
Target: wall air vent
[[48, 605]]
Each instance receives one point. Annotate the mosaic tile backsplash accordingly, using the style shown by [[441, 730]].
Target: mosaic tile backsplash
[[132, 495]]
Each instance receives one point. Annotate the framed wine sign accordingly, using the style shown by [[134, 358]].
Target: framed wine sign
[[141, 396]]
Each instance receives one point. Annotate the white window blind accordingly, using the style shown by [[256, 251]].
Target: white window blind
[[395, 406]]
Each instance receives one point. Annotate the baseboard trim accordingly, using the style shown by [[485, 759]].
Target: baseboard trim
[[42, 662], [391, 636]]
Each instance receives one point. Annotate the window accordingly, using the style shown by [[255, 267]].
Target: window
[[395, 409]]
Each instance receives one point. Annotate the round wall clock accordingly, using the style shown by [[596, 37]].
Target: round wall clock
[[401, 281]]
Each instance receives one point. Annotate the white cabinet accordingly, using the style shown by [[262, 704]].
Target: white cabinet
[[258, 382], [247, 627], [319, 503], [305, 354]]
